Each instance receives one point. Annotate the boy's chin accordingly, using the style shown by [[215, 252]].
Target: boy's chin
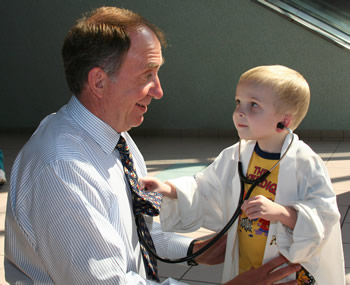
[[245, 137]]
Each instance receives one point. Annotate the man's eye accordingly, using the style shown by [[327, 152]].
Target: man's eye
[[237, 101], [253, 104]]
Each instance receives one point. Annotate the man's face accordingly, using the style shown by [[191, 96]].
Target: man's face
[[129, 92]]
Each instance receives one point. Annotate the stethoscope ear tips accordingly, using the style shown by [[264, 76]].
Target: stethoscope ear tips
[[280, 125]]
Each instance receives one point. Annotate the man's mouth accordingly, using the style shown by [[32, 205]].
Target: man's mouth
[[142, 106]]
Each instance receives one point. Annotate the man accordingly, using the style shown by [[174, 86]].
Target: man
[[70, 216]]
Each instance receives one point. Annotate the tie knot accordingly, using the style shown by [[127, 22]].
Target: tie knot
[[122, 146]]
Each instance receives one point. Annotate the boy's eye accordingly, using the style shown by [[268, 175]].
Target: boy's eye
[[253, 104], [237, 101]]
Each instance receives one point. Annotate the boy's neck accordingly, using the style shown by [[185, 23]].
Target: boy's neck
[[272, 145]]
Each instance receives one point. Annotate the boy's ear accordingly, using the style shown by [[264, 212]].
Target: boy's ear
[[287, 120], [96, 81]]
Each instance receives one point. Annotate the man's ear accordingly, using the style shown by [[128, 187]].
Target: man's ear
[[96, 81]]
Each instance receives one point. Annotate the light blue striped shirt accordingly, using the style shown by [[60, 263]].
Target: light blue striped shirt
[[69, 216]]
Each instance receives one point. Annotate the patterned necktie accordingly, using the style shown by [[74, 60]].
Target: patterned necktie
[[143, 203]]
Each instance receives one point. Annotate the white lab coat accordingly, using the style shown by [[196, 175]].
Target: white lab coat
[[210, 198]]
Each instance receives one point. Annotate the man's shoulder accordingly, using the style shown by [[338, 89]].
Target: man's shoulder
[[56, 137]]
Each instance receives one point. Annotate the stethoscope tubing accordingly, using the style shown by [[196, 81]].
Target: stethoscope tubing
[[242, 198], [222, 232]]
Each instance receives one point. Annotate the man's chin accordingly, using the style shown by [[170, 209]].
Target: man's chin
[[137, 123], [131, 125]]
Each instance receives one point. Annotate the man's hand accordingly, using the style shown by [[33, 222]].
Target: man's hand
[[214, 255], [265, 275]]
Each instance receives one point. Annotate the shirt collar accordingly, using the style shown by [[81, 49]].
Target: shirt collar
[[101, 132]]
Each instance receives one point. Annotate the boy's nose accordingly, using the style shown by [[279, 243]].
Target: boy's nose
[[239, 112]]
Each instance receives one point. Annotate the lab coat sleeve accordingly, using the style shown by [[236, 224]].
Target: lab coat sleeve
[[316, 209], [200, 199]]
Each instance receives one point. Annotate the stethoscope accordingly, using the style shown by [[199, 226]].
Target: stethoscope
[[243, 180]]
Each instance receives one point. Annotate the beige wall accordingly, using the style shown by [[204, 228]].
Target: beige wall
[[211, 44]]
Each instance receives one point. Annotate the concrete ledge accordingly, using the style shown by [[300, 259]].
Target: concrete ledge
[[323, 135]]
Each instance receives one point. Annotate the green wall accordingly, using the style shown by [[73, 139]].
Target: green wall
[[211, 44]]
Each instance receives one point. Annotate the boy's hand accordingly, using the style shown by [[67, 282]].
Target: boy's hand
[[153, 184], [261, 207]]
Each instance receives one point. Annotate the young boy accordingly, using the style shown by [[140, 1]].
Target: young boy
[[292, 212]]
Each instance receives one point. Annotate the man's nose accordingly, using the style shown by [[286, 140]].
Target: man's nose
[[156, 90]]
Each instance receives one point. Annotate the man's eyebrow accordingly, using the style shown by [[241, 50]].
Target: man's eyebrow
[[155, 65]]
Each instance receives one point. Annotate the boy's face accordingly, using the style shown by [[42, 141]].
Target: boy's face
[[255, 116]]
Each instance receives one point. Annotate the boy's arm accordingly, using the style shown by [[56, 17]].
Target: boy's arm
[[202, 199], [262, 207]]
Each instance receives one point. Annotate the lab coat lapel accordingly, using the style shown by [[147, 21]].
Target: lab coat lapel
[[285, 192], [231, 268]]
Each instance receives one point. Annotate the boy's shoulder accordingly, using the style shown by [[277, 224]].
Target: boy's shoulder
[[306, 157], [303, 150]]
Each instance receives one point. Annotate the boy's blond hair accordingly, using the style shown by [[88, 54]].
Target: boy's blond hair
[[290, 87]]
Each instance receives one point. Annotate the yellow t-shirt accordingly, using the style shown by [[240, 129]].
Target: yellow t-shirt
[[253, 233]]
